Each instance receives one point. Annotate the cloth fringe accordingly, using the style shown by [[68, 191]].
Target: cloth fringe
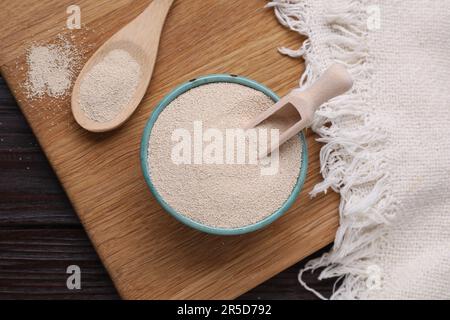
[[353, 161]]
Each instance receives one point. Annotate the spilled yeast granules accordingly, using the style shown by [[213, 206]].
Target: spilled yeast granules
[[109, 86], [51, 68], [225, 195]]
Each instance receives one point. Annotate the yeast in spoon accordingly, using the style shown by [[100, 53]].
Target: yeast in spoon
[[114, 80]]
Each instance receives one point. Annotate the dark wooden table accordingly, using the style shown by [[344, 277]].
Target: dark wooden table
[[40, 234]]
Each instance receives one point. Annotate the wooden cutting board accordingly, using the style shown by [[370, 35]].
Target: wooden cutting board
[[148, 254]]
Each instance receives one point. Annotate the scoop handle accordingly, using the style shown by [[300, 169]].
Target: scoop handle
[[336, 80]]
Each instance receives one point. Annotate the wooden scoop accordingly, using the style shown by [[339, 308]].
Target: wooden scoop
[[295, 111], [140, 38]]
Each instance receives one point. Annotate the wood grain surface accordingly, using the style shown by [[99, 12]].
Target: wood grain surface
[[146, 252]]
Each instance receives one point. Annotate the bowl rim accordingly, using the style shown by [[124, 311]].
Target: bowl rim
[[181, 89]]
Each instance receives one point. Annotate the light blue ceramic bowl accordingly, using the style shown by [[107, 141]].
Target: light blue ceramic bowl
[[146, 170]]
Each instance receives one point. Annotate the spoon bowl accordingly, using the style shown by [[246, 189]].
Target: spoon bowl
[[140, 38]]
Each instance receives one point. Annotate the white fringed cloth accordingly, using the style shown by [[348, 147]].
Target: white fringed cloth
[[386, 144]]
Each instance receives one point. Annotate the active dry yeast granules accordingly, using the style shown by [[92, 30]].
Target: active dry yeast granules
[[219, 195], [109, 86], [51, 68]]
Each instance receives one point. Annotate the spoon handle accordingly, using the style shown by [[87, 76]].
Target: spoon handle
[[334, 82], [146, 28], [162, 6]]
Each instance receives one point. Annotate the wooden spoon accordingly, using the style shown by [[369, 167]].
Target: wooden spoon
[[140, 38], [295, 111]]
